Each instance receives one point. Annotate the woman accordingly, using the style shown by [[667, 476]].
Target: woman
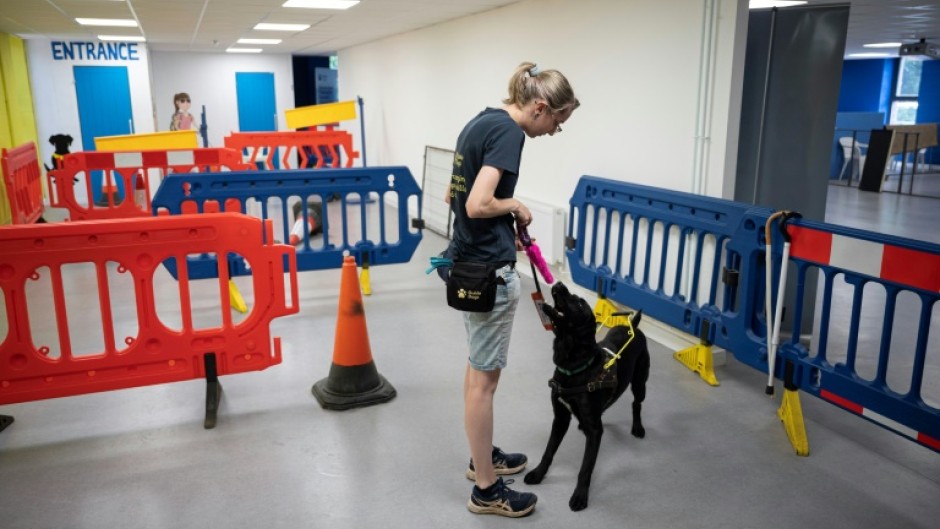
[[486, 168]]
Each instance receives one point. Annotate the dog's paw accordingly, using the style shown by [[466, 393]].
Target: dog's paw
[[535, 476], [578, 501], [638, 431]]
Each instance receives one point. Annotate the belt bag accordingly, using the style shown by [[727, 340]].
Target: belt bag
[[471, 286]]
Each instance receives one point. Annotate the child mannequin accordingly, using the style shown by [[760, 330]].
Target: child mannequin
[[182, 119]]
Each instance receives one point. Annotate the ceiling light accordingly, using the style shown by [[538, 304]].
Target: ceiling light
[[122, 38], [869, 55], [117, 22], [760, 4], [264, 26], [259, 41], [321, 4], [883, 45], [243, 50]]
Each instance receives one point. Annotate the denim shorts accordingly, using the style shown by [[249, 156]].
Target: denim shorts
[[488, 332]]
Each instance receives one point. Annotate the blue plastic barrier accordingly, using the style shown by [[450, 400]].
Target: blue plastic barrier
[[879, 272], [620, 233], [338, 192], [697, 264]]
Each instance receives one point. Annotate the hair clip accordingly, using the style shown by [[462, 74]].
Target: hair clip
[[534, 71]]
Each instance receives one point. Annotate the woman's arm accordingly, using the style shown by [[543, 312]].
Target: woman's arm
[[482, 204]]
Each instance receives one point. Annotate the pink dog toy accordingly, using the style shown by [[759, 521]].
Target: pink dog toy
[[535, 255]]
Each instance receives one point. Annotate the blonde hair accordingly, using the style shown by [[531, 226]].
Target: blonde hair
[[528, 82]]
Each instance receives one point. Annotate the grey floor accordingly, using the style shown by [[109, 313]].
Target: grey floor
[[713, 457]]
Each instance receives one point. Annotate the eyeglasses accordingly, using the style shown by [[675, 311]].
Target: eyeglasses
[[183, 100]]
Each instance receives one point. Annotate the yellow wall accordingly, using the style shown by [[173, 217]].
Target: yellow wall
[[17, 121]]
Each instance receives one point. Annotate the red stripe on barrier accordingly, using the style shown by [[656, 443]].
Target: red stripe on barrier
[[926, 440], [911, 267], [835, 399], [810, 245], [155, 158]]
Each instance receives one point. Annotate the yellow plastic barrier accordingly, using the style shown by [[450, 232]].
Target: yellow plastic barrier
[[314, 115], [175, 139]]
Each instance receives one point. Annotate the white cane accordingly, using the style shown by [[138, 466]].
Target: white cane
[[768, 299], [773, 332]]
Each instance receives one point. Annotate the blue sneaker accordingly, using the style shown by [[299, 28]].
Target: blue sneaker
[[503, 463], [500, 499]]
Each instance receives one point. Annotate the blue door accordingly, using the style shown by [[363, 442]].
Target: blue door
[[104, 109], [257, 111]]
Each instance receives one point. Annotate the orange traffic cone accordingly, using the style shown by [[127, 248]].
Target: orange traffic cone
[[109, 195], [314, 216], [297, 232], [140, 192], [354, 381]]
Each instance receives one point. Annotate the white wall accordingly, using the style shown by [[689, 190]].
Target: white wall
[[634, 64], [209, 79], [55, 101], [154, 78]]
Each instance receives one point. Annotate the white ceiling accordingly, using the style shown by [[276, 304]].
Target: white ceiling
[[214, 25]]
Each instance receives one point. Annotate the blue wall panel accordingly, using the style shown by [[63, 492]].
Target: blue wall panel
[[104, 109], [866, 85]]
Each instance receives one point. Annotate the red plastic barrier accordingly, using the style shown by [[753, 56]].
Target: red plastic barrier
[[262, 147], [21, 177], [132, 169], [156, 353]]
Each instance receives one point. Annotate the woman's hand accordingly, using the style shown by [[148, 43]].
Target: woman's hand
[[522, 214]]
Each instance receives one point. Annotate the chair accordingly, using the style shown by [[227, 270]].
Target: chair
[[897, 158], [849, 154]]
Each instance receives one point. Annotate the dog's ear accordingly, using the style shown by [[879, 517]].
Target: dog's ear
[[52, 139], [636, 317]]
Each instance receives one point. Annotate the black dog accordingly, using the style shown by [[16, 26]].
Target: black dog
[[583, 387], [61, 143]]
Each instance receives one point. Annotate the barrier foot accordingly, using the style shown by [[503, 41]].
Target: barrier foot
[[235, 297], [364, 280], [603, 314], [791, 413], [213, 392], [5, 420], [698, 359]]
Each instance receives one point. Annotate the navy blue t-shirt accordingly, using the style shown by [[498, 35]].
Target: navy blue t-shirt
[[491, 138]]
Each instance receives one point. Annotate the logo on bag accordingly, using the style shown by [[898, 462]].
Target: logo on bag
[[463, 293]]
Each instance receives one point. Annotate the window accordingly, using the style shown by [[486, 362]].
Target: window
[[904, 106], [904, 112], [909, 77]]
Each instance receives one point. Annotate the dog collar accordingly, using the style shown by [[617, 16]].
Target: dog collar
[[564, 371]]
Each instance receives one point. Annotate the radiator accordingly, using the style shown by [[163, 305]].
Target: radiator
[[548, 228]]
